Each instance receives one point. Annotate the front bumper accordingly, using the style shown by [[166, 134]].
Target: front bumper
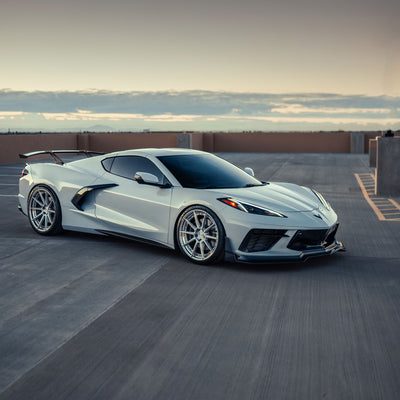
[[275, 245], [319, 251]]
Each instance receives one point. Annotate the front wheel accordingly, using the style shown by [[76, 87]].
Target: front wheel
[[44, 211], [200, 235]]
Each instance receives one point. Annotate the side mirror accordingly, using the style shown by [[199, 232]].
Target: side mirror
[[249, 171], [149, 179], [146, 177]]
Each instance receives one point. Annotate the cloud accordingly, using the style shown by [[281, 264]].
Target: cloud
[[89, 116], [147, 103], [194, 102], [195, 110], [327, 120], [173, 118], [11, 114], [283, 108], [84, 115]]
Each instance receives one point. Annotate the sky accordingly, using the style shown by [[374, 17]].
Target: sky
[[275, 65]]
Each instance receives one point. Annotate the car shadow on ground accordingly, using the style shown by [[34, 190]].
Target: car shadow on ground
[[175, 256], [283, 266]]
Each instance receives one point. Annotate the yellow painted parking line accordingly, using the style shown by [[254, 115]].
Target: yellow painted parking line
[[394, 203], [385, 209], [369, 201]]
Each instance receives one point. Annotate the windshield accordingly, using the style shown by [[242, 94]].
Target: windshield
[[206, 171]]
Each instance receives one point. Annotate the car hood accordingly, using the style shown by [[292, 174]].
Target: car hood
[[283, 197]]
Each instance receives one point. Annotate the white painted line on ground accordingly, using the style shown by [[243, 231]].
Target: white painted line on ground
[[19, 168]]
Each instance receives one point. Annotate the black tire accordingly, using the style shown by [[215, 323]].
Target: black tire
[[200, 236], [44, 211]]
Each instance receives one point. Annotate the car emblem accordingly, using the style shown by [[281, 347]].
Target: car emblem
[[318, 216]]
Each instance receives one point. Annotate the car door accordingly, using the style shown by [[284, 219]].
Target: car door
[[131, 208]]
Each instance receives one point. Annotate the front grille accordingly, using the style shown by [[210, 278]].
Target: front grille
[[261, 239], [307, 239]]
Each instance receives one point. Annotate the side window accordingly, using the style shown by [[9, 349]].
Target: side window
[[127, 166], [107, 163]]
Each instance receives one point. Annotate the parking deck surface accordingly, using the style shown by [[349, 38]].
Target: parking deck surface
[[89, 317]]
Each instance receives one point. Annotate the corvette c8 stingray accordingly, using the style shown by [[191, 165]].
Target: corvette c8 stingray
[[189, 200]]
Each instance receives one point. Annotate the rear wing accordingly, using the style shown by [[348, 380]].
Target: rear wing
[[53, 153]]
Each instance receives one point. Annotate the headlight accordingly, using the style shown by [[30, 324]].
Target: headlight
[[250, 208], [322, 200]]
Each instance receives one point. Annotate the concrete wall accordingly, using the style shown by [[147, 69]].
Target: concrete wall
[[282, 142], [367, 137], [387, 172], [372, 152], [184, 141], [357, 143], [107, 142], [12, 145], [270, 142], [372, 147]]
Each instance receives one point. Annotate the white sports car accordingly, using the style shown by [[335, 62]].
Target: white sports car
[[184, 199]]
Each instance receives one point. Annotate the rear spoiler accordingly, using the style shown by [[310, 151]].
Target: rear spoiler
[[53, 153]]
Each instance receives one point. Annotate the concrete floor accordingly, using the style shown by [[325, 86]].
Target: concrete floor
[[87, 317]]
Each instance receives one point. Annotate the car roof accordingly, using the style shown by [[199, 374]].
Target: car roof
[[155, 152], [152, 152]]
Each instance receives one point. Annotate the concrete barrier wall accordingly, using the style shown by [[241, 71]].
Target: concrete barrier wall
[[283, 142], [387, 171], [367, 137], [269, 142], [357, 143], [372, 152], [12, 145], [107, 142], [198, 141], [373, 147]]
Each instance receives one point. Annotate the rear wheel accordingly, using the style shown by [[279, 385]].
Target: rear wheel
[[200, 235], [44, 211]]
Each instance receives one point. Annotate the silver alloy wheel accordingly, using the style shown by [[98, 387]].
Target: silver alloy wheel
[[42, 210], [198, 234]]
